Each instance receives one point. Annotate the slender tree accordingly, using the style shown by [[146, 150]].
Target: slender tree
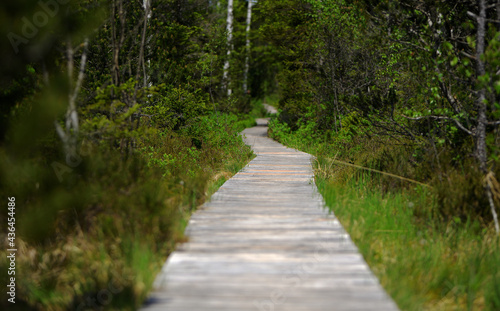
[[482, 119], [117, 39], [481, 150], [226, 78], [141, 61], [247, 57], [69, 135]]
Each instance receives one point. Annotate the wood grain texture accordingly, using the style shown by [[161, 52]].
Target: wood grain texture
[[265, 242]]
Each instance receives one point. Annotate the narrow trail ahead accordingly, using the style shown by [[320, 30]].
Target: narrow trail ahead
[[265, 242]]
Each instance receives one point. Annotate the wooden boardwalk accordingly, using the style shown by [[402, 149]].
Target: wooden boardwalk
[[265, 242]]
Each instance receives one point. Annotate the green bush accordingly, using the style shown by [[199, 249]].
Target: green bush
[[115, 216]]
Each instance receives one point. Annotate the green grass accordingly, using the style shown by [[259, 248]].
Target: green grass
[[423, 264], [104, 231], [422, 260]]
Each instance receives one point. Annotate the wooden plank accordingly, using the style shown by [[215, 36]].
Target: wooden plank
[[265, 242], [273, 301]]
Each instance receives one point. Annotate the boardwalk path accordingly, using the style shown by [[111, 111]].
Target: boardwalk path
[[265, 242]]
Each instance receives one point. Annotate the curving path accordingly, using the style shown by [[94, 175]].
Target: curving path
[[266, 242]]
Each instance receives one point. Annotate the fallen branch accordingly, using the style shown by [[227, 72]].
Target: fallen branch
[[379, 172], [493, 192]]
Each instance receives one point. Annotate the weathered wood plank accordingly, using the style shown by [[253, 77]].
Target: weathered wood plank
[[265, 242]]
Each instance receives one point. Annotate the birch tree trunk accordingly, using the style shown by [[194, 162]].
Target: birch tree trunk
[[147, 14], [141, 61], [117, 40], [482, 119], [481, 150], [247, 57], [69, 135], [226, 78]]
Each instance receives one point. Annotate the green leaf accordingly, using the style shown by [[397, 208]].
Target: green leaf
[[454, 61], [448, 45], [497, 87], [471, 41], [30, 69]]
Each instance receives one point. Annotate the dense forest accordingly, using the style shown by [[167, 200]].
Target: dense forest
[[118, 118]]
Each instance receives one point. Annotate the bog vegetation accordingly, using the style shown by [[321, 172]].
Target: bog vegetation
[[118, 118], [114, 127], [410, 89]]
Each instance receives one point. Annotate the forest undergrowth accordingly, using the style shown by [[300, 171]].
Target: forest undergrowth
[[98, 237]]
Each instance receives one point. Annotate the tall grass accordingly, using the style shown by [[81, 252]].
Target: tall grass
[[96, 239], [426, 256], [423, 264]]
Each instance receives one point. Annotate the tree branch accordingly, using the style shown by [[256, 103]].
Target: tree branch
[[410, 44], [453, 102], [472, 15], [460, 125], [81, 73], [468, 55]]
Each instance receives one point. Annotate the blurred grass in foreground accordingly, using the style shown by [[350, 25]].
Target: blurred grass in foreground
[[98, 237]]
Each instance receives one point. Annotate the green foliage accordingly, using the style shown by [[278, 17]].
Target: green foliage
[[175, 108], [388, 85], [90, 217], [459, 192], [69, 226], [152, 144]]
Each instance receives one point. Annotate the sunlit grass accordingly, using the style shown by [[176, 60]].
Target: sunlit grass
[[423, 264], [424, 260]]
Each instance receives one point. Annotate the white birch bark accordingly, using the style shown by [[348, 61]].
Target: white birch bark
[[142, 62], [481, 149], [226, 79], [482, 119], [147, 14], [247, 57], [69, 135]]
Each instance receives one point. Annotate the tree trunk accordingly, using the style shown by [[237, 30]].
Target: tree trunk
[[247, 58], [226, 78], [115, 71], [116, 41], [69, 135], [498, 15], [481, 151], [141, 61], [482, 119]]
